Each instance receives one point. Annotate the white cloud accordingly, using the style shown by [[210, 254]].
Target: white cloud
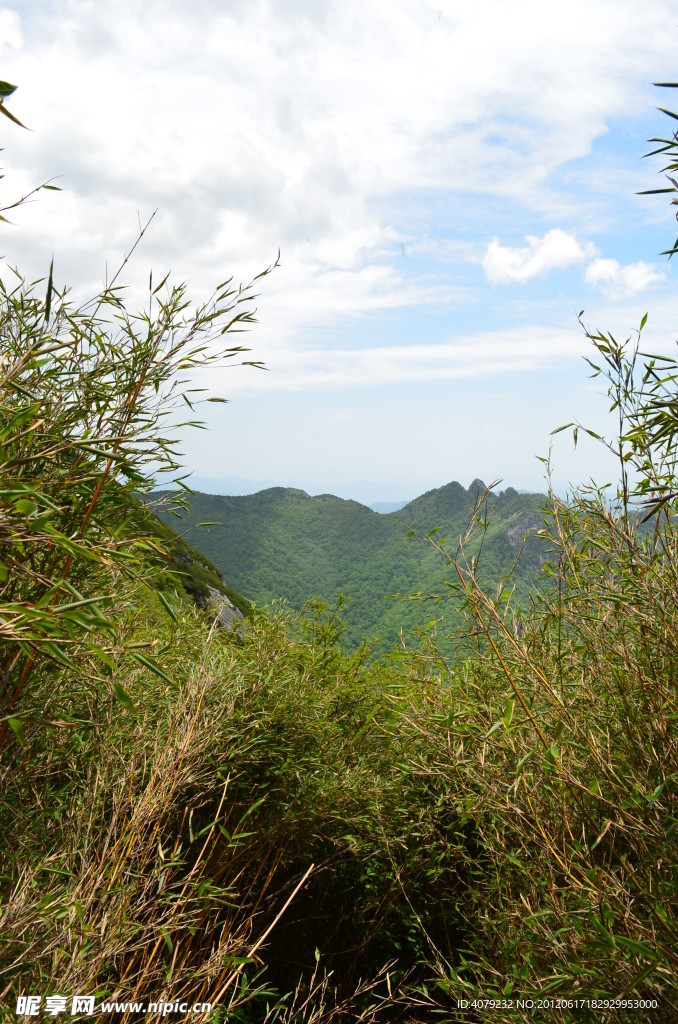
[[257, 125], [621, 282], [483, 354], [555, 249], [10, 30]]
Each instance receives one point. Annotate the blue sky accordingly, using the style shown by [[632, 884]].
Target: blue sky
[[448, 184]]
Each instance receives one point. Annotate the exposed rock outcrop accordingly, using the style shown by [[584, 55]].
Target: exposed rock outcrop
[[522, 530], [223, 609]]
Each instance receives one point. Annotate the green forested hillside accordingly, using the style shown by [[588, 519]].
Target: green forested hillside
[[283, 543], [188, 569]]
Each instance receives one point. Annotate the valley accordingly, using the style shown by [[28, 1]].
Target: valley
[[283, 544]]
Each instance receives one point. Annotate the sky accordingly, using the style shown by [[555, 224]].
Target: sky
[[448, 185]]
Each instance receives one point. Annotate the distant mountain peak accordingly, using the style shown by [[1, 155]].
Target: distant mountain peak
[[281, 492]]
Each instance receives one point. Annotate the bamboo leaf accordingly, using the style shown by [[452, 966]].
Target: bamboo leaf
[[122, 696], [48, 297], [57, 653], [166, 605], [152, 665], [17, 728], [103, 656], [5, 111]]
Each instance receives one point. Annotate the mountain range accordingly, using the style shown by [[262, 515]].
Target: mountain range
[[283, 543]]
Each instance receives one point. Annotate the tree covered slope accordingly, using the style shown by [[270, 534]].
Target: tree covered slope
[[283, 543]]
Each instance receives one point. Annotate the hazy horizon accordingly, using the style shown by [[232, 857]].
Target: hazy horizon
[[362, 491]]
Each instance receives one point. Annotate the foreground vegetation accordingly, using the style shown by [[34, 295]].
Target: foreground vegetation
[[266, 822]]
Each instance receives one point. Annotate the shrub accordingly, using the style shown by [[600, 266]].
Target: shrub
[[88, 416]]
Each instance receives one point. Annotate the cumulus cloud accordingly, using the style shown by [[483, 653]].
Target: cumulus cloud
[[621, 282], [556, 249], [257, 125], [302, 125]]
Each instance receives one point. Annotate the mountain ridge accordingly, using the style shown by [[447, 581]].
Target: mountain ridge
[[283, 543]]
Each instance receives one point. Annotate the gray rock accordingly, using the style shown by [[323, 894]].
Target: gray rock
[[521, 532], [224, 611]]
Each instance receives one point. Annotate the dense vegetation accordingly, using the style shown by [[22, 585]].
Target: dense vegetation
[[290, 831], [283, 544], [193, 570]]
